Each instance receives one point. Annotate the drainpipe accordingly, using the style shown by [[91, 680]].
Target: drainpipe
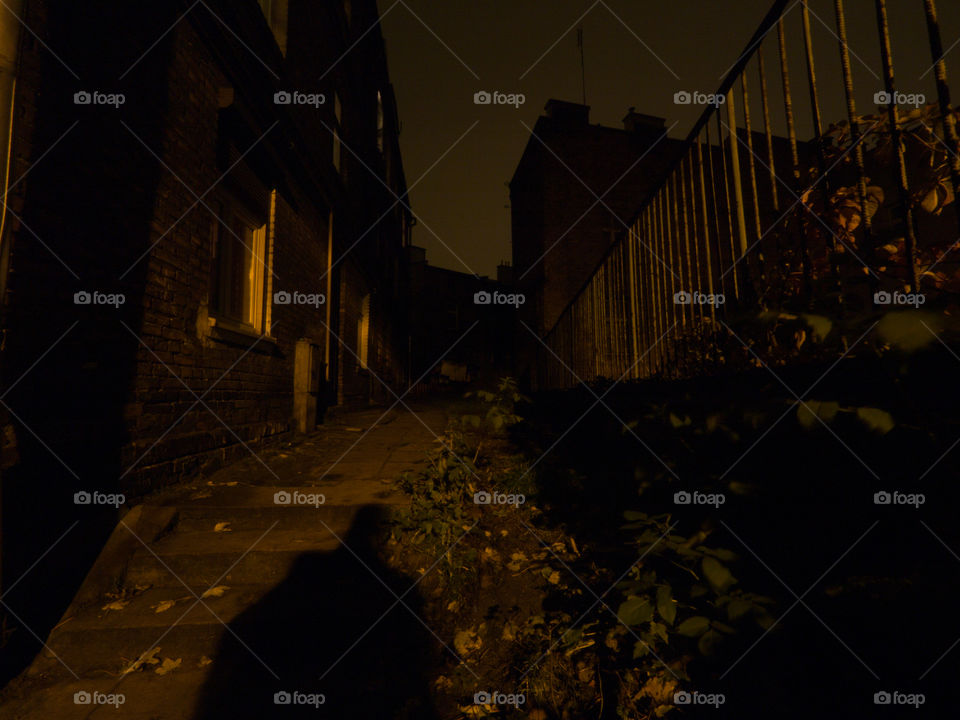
[[9, 50], [9, 47]]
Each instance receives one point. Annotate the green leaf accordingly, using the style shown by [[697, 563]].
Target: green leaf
[[722, 627], [876, 419], [721, 554], [709, 641], [737, 608], [809, 411], [694, 626], [635, 611], [717, 574], [819, 325], [678, 422], [665, 604], [906, 330], [661, 630], [640, 649]]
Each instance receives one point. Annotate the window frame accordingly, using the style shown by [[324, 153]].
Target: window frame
[[254, 313]]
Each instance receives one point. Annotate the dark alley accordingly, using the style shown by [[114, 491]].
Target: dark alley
[[420, 360]]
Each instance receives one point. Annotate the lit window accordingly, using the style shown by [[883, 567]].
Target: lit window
[[363, 331], [240, 272], [276, 13]]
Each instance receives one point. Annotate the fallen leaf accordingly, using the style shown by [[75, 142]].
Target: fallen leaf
[[222, 527], [168, 665], [116, 605], [217, 591], [204, 661], [149, 657], [163, 606]]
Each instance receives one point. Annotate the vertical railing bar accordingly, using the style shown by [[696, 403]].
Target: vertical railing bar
[[737, 181], [728, 205], [653, 269], [666, 285], [672, 267], [943, 95], [758, 226], [634, 314], [662, 284], [697, 265], [678, 264], [706, 228], [650, 327], [794, 152], [833, 254], [768, 129], [693, 259], [886, 56], [649, 272], [715, 206], [855, 132]]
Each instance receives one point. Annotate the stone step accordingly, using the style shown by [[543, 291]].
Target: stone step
[[280, 517], [191, 559]]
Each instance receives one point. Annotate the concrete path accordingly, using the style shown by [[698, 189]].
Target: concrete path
[[262, 579]]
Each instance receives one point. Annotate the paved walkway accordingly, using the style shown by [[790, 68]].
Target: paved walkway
[[229, 590]]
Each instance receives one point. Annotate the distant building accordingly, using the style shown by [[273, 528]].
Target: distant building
[[454, 318], [560, 230]]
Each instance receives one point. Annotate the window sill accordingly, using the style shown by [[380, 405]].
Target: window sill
[[232, 332]]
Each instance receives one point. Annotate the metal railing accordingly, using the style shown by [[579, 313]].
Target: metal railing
[[750, 218]]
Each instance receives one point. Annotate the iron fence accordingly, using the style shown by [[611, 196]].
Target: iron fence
[[751, 218]]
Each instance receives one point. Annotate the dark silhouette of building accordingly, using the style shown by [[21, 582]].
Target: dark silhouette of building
[[459, 319]]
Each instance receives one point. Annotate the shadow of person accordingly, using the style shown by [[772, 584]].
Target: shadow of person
[[328, 633]]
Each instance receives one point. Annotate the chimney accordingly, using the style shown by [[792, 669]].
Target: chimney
[[567, 113], [638, 122]]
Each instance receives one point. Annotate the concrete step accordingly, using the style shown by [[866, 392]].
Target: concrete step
[[203, 567], [203, 517]]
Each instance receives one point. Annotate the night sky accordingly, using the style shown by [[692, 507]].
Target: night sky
[[459, 156]]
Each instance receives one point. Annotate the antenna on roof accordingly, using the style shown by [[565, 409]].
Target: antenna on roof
[[583, 73]]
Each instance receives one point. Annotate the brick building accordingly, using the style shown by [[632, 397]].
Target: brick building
[[221, 166]]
